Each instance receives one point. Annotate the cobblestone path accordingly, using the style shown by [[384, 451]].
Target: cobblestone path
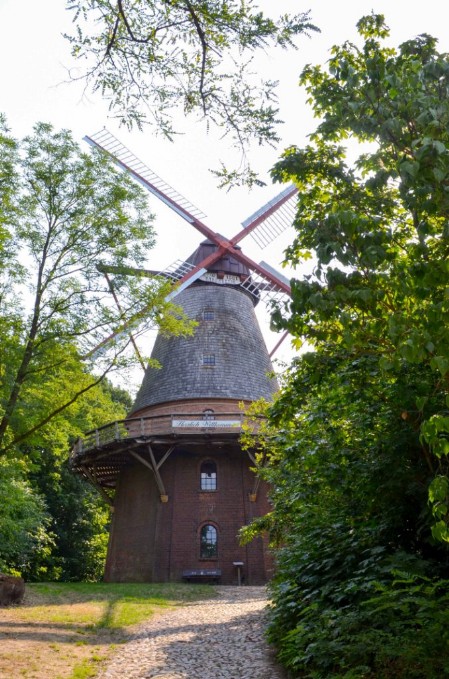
[[217, 638]]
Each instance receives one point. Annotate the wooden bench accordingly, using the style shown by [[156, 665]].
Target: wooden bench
[[202, 575]]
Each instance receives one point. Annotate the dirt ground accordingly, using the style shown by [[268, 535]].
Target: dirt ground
[[34, 648]]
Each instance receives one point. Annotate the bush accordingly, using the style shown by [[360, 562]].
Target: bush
[[392, 625], [360, 589], [23, 519]]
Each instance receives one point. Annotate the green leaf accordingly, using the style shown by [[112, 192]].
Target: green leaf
[[421, 402], [441, 364], [438, 489], [440, 531]]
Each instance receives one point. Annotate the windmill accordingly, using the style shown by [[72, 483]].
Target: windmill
[[183, 485]]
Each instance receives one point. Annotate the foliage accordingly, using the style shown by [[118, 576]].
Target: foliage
[[360, 429], [378, 227], [52, 524], [79, 517], [337, 436], [24, 521], [79, 521], [149, 58], [67, 211], [358, 590], [378, 622]]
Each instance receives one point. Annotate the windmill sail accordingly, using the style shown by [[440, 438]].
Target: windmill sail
[[272, 219], [267, 289], [126, 159]]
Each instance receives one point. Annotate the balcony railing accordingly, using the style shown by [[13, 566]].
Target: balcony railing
[[155, 425]]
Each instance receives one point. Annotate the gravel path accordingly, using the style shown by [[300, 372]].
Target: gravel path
[[218, 638]]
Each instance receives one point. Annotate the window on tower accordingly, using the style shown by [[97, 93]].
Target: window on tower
[[208, 542], [208, 315], [208, 359], [208, 476]]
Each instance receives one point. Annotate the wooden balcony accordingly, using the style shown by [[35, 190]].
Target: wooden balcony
[[102, 453], [170, 426]]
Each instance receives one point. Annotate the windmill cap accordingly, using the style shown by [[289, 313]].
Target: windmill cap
[[226, 264]]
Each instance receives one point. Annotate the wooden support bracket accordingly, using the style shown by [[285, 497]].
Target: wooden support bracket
[[155, 466], [100, 488], [165, 456], [257, 480]]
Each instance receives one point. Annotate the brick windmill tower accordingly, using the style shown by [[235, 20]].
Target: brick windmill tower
[[183, 485]]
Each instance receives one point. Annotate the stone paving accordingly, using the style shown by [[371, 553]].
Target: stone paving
[[217, 638]]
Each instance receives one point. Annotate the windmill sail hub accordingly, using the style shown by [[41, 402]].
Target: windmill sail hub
[[226, 265]]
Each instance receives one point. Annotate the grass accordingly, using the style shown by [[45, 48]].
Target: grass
[[68, 630], [87, 668], [105, 605]]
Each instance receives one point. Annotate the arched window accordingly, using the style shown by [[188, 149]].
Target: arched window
[[209, 542], [208, 476]]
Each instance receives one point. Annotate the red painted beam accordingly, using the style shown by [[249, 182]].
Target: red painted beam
[[207, 261], [238, 254]]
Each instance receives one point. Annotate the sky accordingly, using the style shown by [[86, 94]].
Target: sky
[[34, 86]]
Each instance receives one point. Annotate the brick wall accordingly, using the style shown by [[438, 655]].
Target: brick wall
[[130, 556], [166, 536]]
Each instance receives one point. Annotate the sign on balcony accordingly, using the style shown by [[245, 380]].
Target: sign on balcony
[[207, 424]]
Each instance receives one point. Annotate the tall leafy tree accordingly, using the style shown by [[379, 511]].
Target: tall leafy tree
[[65, 213], [378, 225], [152, 57], [360, 434]]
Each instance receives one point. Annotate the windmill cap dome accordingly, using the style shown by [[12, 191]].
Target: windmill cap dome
[[226, 264]]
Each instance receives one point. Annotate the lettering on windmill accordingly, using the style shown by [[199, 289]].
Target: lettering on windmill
[[226, 279], [207, 424]]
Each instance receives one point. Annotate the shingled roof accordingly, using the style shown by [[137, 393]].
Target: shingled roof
[[225, 358]]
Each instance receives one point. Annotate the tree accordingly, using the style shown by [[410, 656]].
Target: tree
[[378, 227], [24, 521], [357, 441], [53, 526], [65, 213], [77, 516], [149, 58]]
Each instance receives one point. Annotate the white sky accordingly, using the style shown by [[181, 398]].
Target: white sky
[[35, 61]]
